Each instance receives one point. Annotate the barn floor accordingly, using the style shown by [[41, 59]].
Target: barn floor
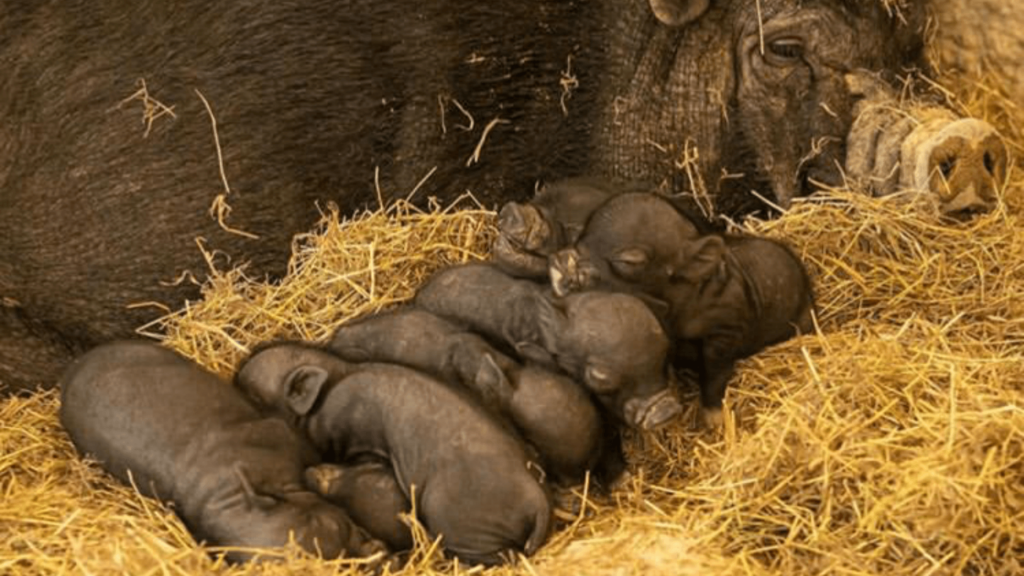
[[892, 441]]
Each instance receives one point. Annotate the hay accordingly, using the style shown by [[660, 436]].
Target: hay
[[891, 442]]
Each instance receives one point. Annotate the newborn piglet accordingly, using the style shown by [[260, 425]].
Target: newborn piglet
[[371, 495], [182, 435], [471, 479], [528, 233], [759, 296], [721, 298], [610, 342], [553, 413]]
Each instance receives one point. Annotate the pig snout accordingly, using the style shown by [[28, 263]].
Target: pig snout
[[523, 226], [965, 168], [652, 412]]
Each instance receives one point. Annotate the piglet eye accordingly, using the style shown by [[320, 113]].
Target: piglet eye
[[786, 50]]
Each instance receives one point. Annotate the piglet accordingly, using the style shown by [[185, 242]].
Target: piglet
[[610, 342], [182, 435], [760, 295], [371, 495], [528, 233], [552, 412], [720, 297], [470, 479]]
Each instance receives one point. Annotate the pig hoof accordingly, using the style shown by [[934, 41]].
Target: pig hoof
[[713, 417], [321, 478], [621, 482], [522, 225], [564, 272]]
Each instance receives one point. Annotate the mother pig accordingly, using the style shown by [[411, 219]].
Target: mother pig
[[98, 211]]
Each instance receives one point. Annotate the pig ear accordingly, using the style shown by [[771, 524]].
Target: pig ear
[[492, 380], [253, 499], [678, 12], [705, 258], [352, 353], [302, 387]]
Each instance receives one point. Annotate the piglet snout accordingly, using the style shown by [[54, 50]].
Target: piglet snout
[[654, 411]]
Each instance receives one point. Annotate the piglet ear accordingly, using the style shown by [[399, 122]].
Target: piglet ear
[[678, 12], [630, 262], [302, 387], [252, 498], [706, 255], [491, 381]]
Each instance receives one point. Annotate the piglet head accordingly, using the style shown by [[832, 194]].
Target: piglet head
[[616, 346], [289, 378]]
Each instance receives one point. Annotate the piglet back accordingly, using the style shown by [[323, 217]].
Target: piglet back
[[783, 290]]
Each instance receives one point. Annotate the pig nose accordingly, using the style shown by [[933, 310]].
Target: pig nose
[[654, 411], [967, 168], [522, 226]]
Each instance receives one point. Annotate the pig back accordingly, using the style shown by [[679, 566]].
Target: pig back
[[486, 300], [780, 289], [472, 477]]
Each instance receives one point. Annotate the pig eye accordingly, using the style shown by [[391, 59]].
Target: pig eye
[[785, 51]]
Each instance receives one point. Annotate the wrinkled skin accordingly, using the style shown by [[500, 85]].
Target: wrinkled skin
[[472, 481], [551, 411], [235, 477], [311, 99], [721, 298], [610, 342], [371, 495], [956, 165]]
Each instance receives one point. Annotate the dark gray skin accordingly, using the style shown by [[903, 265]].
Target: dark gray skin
[[722, 298], [553, 413], [311, 98], [530, 232], [759, 296], [634, 240], [610, 342], [182, 435], [474, 482], [371, 495]]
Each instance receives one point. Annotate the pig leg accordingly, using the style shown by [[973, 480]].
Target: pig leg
[[30, 359], [717, 369]]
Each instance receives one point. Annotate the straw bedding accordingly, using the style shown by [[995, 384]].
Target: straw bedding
[[892, 441]]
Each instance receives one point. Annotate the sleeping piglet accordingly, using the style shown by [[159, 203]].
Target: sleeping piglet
[[552, 412], [530, 232], [371, 495], [183, 435], [722, 298], [610, 342], [471, 479]]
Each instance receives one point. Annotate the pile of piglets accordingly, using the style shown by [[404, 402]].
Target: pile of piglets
[[499, 381]]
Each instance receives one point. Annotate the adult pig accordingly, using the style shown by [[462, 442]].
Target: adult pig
[[371, 495], [552, 412], [182, 435], [611, 342], [311, 99], [469, 478]]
